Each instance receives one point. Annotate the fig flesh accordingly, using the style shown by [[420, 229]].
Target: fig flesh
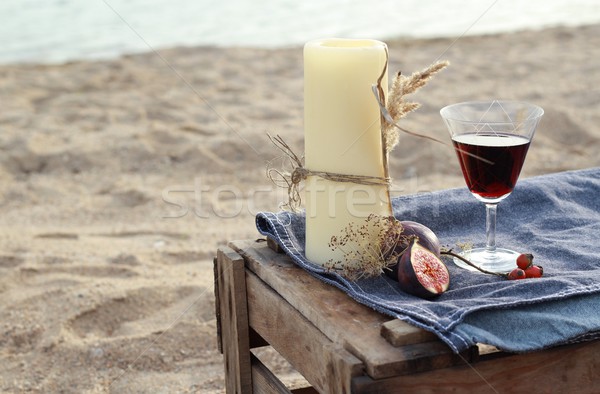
[[426, 237], [421, 273]]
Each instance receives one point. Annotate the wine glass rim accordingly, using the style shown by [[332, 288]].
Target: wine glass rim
[[537, 110]]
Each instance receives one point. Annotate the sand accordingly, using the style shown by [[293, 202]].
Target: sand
[[119, 179]]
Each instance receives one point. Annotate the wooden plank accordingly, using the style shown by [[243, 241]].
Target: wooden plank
[[565, 369], [255, 339], [305, 390], [352, 325], [230, 275], [264, 381], [217, 305], [399, 333], [274, 246], [327, 367]]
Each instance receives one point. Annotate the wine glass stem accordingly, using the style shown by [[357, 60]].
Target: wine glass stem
[[490, 227]]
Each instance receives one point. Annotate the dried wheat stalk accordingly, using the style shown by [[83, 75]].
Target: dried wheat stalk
[[398, 107]]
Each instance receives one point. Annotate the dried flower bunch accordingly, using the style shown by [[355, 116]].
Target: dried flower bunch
[[368, 248], [398, 107]]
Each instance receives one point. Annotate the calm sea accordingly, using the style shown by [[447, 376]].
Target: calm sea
[[53, 31]]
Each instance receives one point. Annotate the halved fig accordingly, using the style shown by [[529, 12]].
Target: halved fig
[[421, 272]]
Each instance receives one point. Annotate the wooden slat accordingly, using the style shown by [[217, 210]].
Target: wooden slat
[[255, 339], [354, 326], [264, 381], [217, 305], [274, 246], [305, 390], [399, 333], [233, 312], [327, 367], [565, 369]]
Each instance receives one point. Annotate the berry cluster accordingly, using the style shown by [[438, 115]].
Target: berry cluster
[[525, 268]]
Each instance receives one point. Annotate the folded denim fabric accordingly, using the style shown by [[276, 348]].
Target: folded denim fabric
[[556, 217]]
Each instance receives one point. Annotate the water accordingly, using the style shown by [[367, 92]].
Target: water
[[52, 31]]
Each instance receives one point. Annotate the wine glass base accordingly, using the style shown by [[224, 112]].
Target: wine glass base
[[499, 261]]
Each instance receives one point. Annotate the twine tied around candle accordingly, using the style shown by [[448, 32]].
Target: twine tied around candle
[[389, 113], [291, 180]]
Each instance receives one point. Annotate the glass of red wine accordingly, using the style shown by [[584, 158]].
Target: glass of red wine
[[491, 139]]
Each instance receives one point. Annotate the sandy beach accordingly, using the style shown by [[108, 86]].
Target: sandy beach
[[120, 178]]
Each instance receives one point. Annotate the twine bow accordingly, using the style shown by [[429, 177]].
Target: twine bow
[[292, 180]]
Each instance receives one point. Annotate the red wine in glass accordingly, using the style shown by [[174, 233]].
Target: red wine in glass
[[491, 162], [491, 139]]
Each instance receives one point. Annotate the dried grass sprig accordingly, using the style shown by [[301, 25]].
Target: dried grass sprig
[[418, 79], [397, 105]]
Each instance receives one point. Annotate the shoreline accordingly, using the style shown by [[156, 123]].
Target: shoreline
[[184, 47]]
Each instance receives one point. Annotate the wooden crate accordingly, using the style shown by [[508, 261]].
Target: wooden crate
[[341, 346]]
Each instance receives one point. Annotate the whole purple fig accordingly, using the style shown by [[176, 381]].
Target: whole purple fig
[[426, 238]]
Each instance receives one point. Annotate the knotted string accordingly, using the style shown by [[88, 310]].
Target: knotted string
[[292, 180]]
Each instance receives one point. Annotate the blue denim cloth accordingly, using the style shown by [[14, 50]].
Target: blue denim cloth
[[556, 217]]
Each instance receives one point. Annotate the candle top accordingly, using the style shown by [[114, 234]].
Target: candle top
[[345, 44]]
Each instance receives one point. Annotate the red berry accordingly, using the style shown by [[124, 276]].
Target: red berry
[[535, 271], [524, 260], [517, 273]]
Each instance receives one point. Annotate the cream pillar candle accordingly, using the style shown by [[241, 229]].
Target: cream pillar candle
[[342, 133]]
